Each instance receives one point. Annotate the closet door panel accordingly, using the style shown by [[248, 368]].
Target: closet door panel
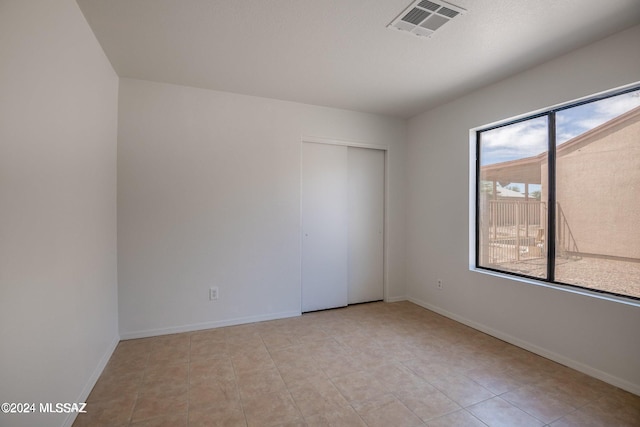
[[324, 200], [366, 224]]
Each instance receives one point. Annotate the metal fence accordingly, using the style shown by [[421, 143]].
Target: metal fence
[[516, 230], [566, 245]]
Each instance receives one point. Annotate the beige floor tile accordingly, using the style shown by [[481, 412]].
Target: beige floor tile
[[275, 326], [168, 421], [336, 417], [106, 413], [217, 334], [461, 389], [217, 417], [222, 393], [133, 346], [582, 418], [112, 386], [161, 405], [242, 331], [397, 377], [271, 410], [327, 349], [174, 349], [428, 370], [316, 395], [538, 403], [309, 335], [168, 352], [297, 423], [237, 345], [297, 371], [203, 349], [397, 363], [157, 364], [397, 352], [292, 354], [127, 361], [247, 339], [497, 412], [523, 371], [386, 410], [83, 420], [427, 405], [257, 383], [359, 387], [564, 374], [359, 342], [570, 391], [460, 418], [335, 366], [164, 389], [277, 340], [494, 379], [254, 360], [219, 368], [337, 327], [371, 359], [172, 340], [624, 407], [168, 375]]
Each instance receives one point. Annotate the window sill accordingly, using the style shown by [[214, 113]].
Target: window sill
[[579, 291]]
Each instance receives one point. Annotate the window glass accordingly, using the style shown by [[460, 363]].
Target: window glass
[[570, 218], [512, 203], [598, 195]]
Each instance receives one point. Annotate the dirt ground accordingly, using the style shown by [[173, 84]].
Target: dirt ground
[[619, 277]]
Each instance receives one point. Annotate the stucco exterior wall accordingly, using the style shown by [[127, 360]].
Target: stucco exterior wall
[[598, 189]]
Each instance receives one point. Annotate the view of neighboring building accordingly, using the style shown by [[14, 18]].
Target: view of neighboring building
[[597, 209]]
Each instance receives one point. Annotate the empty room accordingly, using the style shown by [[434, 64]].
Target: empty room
[[319, 213]]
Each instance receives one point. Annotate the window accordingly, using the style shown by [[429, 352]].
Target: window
[[558, 195]]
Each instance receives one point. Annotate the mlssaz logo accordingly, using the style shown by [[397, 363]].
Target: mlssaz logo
[[63, 408]]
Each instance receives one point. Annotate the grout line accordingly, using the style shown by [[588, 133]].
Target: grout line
[[469, 412]]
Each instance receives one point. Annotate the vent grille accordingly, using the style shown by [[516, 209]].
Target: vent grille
[[435, 22], [415, 16], [423, 17], [447, 12], [426, 4]]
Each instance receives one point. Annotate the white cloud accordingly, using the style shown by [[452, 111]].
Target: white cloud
[[516, 141], [613, 107], [529, 138], [578, 120], [610, 108]]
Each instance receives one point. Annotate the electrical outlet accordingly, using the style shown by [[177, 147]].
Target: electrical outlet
[[213, 293], [439, 284]]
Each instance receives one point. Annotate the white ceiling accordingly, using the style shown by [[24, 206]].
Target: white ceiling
[[339, 53]]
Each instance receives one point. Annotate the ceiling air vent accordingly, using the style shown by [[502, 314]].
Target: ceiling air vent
[[423, 17]]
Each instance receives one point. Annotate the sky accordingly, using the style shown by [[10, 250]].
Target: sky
[[529, 138]]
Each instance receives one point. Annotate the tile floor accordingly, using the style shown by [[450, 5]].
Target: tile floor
[[378, 364]]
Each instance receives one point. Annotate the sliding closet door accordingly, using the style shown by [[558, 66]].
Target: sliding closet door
[[366, 224], [324, 226]]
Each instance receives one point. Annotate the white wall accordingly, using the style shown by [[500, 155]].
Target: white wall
[[58, 130], [209, 195], [597, 336]]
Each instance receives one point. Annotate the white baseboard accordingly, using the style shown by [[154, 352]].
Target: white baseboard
[[396, 299], [586, 369], [207, 325], [84, 394]]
